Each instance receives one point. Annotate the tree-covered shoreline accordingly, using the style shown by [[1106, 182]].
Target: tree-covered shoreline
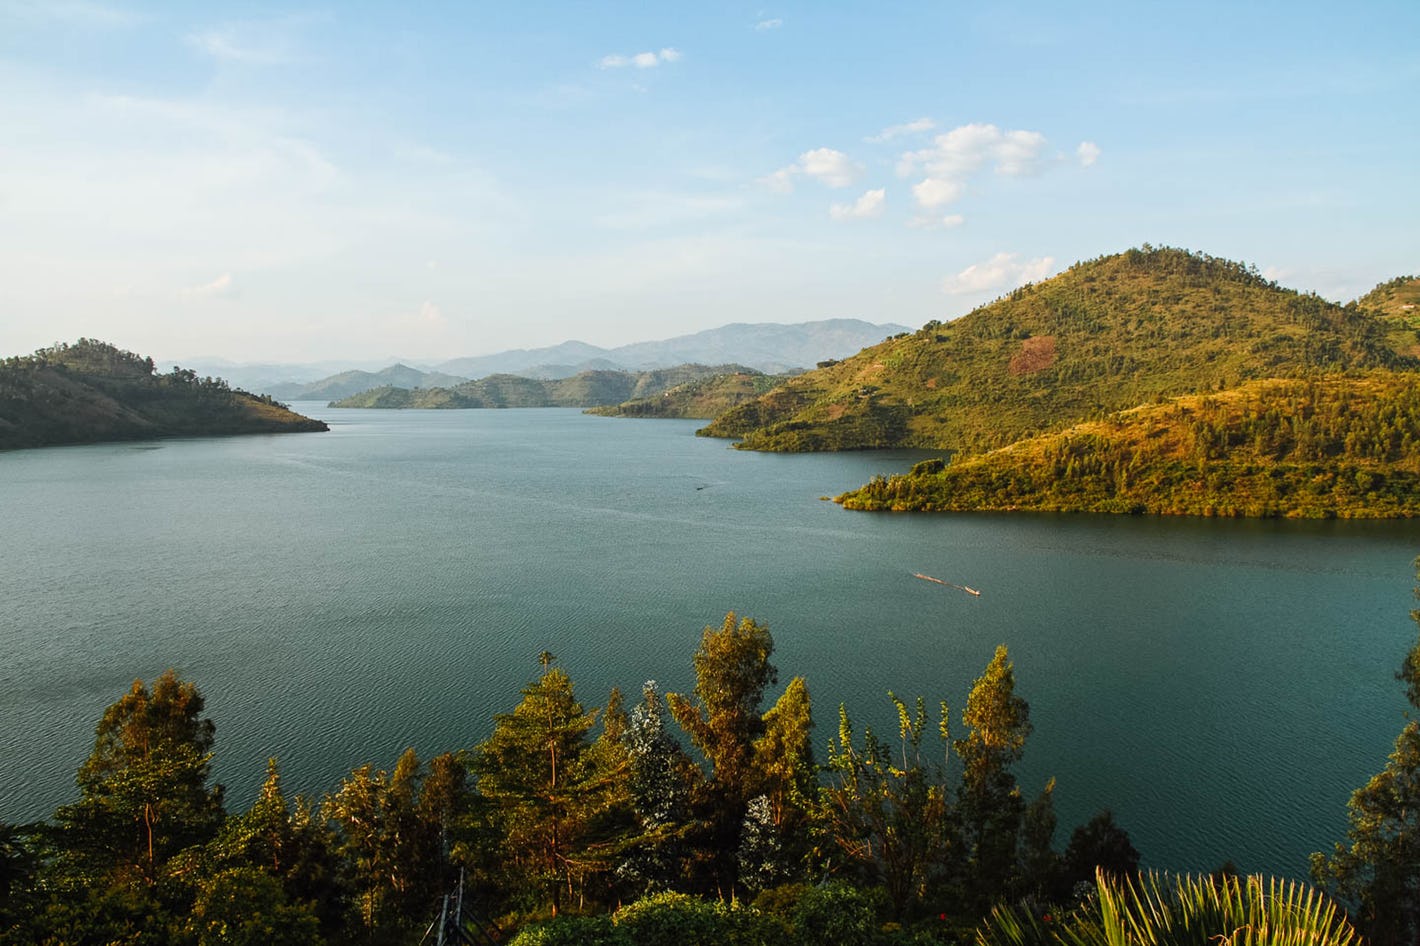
[[93, 392], [571, 824]]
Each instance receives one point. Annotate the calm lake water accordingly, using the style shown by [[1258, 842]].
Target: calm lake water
[[1222, 686]]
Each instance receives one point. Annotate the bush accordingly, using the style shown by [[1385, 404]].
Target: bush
[[572, 931]]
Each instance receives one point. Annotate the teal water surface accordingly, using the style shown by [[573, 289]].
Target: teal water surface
[[1222, 686]]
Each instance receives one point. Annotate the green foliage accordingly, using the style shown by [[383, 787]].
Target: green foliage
[[1340, 446], [549, 791], [91, 391], [248, 907], [673, 918], [732, 669], [1178, 911], [143, 790], [884, 823], [573, 931], [1104, 336], [836, 914], [660, 785], [990, 807]]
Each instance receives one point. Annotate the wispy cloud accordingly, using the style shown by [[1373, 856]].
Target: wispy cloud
[[219, 288], [1088, 152], [869, 205], [772, 24], [646, 60], [897, 131], [253, 43], [825, 165], [927, 222], [1002, 271]]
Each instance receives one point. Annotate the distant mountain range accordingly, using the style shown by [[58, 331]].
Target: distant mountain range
[[770, 347], [346, 383]]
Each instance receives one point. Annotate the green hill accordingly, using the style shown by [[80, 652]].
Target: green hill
[[1106, 335], [587, 389], [1397, 304], [1346, 446], [91, 391], [703, 398]]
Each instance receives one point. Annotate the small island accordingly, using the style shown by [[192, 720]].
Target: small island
[[93, 392]]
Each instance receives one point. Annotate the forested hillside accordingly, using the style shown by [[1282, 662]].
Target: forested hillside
[[1107, 335], [1336, 446], [91, 391], [701, 399], [587, 389]]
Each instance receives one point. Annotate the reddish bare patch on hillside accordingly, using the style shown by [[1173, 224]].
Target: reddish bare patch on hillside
[[1036, 354]]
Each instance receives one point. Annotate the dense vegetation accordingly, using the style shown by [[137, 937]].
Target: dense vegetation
[[703, 398], [1107, 335], [587, 389], [1346, 446], [1397, 304], [91, 391], [575, 825]]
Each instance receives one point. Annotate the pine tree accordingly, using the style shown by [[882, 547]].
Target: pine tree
[[535, 771]]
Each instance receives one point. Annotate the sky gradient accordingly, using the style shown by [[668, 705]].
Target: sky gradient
[[370, 182]]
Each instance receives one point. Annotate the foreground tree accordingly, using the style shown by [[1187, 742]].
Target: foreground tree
[[990, 809], [549, 795], [885, 813], [732, 669], [1378, 870], [143, 790]]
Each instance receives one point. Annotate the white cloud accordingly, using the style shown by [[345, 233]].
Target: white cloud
[[219, 288], [1002, 271], [646, 60], [830, 167], [773, 24], [936, 191], [967, 149], [1088, 153], [825, 165], [906, 128], [869, 205], [430, 314]]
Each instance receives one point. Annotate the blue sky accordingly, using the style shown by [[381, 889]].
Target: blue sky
[[370, 181]]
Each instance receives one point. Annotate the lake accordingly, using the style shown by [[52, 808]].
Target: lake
[[1223, 686]]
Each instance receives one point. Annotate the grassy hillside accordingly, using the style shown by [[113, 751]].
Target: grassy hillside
[[1104, 336], [1397, 304], [91, 391], [1346, 446], [702, 399], [587, 389]]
